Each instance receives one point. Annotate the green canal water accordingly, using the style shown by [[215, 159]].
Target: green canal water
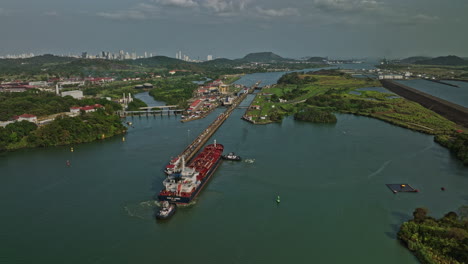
[[335, 207]]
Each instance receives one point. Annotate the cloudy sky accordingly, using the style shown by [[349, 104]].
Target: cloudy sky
[[232, 28]]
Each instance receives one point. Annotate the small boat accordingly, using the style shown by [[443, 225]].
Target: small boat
[[166, 211], [231, 156]]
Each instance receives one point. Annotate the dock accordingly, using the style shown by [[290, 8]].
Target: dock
[[204, 136]]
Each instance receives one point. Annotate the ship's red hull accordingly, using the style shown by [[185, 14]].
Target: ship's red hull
[[205, 163]]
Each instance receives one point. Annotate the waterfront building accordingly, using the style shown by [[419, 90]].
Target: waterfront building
[[195, 105]]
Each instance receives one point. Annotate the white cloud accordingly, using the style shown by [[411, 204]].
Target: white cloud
[[356, 12], [347, 5], [278, 12], [225, 6], [177, 3], [140, 12]]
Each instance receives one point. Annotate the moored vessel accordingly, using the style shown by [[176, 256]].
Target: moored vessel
[[183, 186]]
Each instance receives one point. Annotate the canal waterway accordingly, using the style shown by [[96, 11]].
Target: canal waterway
[[148, 99], [457, 95], [331, 179]]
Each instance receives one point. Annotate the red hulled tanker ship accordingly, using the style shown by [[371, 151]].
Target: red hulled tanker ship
[[183, 186]]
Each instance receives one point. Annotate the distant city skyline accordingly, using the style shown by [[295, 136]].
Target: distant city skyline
[[233, 28]]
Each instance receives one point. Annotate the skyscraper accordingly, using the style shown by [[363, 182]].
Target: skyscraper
[[209, 57]]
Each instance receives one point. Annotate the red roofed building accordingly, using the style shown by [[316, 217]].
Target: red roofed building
[[26, 117], [87, 109], [195, 105]]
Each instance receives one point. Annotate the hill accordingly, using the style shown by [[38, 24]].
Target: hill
[[262, 57], [412, 60], [159, 62], [444, 60], [316, 59], [32, 65], [220, 63]]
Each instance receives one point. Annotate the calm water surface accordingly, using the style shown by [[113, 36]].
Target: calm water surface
[[457, 95], [148, 99], [335, 207]]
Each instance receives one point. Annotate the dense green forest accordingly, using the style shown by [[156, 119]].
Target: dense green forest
[[174, 91], [437, 241], [61, 131], [457, 143], [315, 115], [295, 78], [43, 103], [136, 104]]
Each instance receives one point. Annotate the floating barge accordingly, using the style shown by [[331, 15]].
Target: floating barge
[[402, 187]]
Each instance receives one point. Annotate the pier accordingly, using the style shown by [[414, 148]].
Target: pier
[[204, 136]]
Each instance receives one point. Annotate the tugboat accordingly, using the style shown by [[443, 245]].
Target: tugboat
[[231, 156], [166, 211]]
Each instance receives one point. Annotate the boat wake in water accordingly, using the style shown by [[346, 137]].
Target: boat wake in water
[[143, 210], [380, 169], [249, 161]]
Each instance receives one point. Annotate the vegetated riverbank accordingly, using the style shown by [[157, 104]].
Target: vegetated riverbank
[[62, 130], [332, 91], [451, 111], [437, 241]]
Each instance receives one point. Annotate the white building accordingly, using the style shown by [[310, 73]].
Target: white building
[[27, 117], [75, 94], [39, 83], [75, 109]]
